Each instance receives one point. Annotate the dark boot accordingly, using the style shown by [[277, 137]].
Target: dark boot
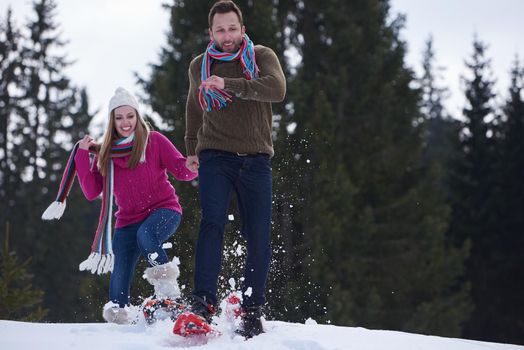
[[201, 307], [251, 324]]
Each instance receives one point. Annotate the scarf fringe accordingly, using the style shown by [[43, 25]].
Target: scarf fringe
[[55, 210], [98, 263]]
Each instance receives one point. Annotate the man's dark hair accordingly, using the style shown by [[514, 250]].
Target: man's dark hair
[[224, 7]]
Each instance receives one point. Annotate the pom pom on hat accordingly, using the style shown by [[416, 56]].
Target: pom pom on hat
[[122, 98]]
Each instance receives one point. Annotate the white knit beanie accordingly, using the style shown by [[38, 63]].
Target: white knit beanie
[[122, 98]]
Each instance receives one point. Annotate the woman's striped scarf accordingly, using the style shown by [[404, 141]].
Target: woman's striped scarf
[[218, 98], [101, 259]]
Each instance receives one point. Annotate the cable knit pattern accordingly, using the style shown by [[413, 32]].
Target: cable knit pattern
[[141, 190], [245, 124]]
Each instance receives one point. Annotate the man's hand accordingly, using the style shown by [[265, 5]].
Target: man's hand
[[213, 82], [192, 163]]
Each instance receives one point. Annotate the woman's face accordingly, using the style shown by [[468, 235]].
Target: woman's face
[[125, 120]]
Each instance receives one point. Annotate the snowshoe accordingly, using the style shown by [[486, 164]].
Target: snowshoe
[[161, 309], [231, 306], [190, 324]]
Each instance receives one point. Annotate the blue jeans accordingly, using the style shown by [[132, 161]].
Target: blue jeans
[[250, 177], [143, 238]]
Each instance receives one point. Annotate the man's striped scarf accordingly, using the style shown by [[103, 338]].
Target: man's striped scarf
[[101, 259], [218, 98]]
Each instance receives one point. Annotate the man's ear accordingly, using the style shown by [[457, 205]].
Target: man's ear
[[243, 30], [210, 34]]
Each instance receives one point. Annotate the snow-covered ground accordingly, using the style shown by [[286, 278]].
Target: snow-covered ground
[[279, 335]]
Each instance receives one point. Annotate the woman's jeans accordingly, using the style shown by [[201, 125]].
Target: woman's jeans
[[143, 238], [250, 177]]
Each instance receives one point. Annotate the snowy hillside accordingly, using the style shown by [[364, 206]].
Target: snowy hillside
[[280, 335]]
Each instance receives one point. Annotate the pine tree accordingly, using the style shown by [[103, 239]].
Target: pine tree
[[49, 115], [473, 183], [10, 67], [506, 262], [371, 212], [440, 129], [432, 95], [18, 299]]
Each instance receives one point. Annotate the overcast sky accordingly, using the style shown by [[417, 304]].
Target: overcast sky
[[453, 25], [111, 39]]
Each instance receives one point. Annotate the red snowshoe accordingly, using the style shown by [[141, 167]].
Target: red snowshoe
[[161, 309], [232, 307], [190, 324]]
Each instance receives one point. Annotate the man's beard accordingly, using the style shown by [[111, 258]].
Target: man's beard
[[236, 47]]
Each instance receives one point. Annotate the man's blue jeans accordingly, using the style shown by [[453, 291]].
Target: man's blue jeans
[[250, 177], [143, 238]]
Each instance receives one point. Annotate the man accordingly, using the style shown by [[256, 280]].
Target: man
[[228, 140]]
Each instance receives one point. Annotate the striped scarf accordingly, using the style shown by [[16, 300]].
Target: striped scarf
[[218, 98], [101, 259]]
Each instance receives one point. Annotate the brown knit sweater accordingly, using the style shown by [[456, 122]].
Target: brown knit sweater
[[245, 124]]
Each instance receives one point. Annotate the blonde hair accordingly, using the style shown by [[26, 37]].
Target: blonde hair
[[139, 143]]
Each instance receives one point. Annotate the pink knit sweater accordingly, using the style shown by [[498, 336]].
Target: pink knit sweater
[[141, 190]]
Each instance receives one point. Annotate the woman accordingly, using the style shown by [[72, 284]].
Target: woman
[[132, 163]]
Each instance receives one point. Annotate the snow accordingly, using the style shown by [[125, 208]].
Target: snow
[[167, 245], [239, 250], [153, 256], [279, 335]]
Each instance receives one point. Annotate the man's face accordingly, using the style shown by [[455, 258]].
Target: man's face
[[227, 32]]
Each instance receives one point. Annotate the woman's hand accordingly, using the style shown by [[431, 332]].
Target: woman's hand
[[86, 142], [192, 163]]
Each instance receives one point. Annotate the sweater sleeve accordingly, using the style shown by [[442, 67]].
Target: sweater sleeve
[[194, 113], [172, 160], [91, 181], [270, 86]]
